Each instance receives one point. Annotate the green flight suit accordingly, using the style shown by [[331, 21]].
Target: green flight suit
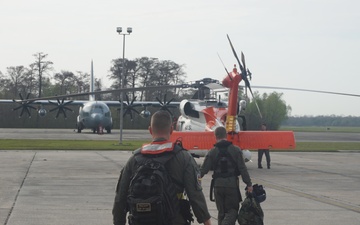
[[186, 175], [226, 189]]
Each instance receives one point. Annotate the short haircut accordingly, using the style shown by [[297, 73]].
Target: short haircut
[[161, 122], [220, 133]]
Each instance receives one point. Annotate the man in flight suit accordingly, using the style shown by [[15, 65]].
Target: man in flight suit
[[182, 168], [264, 151], [226, 180]]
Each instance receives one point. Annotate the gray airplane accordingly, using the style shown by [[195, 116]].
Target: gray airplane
[[93, 114]]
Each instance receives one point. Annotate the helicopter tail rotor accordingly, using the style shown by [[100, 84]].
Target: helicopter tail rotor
[[244, 72]]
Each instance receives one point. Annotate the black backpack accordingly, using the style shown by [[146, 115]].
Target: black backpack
[[152, 197], [225, 165]]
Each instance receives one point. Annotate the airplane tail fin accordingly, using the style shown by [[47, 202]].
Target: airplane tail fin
[[92, 96]]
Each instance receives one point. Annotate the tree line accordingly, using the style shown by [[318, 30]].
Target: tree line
[[328, 121], [39, 79]]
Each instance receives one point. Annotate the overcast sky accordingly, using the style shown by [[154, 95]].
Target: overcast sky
[[310, 44]]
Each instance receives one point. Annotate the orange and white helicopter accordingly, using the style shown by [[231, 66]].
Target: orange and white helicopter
[[199, 119]]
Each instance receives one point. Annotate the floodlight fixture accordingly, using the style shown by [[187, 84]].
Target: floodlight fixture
[[119, 29]]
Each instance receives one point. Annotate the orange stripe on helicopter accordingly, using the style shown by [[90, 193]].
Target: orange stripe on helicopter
[[279, 140]]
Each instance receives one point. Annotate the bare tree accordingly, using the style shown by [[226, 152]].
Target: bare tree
[[42, 67], [16, 74]]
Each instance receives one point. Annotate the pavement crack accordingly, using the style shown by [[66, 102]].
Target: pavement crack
[[120, 166], [18, 192]]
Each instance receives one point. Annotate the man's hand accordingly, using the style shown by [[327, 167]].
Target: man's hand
[[207, 222], [249, 189]]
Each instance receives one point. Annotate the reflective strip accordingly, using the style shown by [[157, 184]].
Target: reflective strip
[[157, 148]]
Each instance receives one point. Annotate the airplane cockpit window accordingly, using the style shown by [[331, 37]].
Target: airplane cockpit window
[[97, 109]]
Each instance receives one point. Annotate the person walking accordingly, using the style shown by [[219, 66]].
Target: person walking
[[181, 166], [227, 162], [263, 151]]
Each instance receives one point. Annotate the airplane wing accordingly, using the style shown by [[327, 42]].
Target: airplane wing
[[25, 104]]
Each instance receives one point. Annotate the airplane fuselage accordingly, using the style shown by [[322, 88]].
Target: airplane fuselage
[[94, 115]]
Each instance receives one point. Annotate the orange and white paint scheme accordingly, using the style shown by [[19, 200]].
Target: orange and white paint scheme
[[199, 119]]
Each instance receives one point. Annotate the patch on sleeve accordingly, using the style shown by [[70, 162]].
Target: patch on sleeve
[[198, 180]]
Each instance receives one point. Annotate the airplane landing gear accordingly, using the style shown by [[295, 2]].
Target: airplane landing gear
[[100, 130]]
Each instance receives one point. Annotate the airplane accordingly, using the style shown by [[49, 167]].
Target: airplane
[[93, 114]]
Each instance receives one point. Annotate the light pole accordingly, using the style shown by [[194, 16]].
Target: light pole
[[129, 31]]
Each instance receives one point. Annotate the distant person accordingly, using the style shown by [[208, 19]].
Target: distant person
[[227, 162], [182, 169], [262, 151]]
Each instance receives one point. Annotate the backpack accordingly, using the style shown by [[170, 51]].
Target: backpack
[[225, 165], [152, 198]]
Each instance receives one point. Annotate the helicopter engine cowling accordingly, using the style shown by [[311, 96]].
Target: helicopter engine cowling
[[242, 105], [42, 112], [187, 109]]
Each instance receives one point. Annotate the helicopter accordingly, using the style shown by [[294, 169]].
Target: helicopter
[[199, 119]]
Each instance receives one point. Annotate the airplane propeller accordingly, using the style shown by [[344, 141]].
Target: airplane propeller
[[24, 105], [164, 105], [130, 107], [244, 72], [60, 107]]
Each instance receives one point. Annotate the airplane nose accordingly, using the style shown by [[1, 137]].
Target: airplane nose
[[97, 117]]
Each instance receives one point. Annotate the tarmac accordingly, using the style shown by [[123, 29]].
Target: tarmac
[[78, 187]]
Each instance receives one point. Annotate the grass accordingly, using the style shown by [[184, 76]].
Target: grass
[[31, 144], [322, 129], [326, 146]]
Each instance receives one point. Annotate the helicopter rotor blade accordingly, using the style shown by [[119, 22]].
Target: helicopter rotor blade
[[227, 72], [306, 90], [243, 72]]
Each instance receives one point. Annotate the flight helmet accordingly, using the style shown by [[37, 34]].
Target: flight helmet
[[259, 193]]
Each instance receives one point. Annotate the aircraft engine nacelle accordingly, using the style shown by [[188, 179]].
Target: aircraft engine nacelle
[[187, 109], [145, 113], [42, 112]]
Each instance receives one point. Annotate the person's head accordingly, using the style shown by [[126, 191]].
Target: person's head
[[263, 126], [161, 125], [220, 133]]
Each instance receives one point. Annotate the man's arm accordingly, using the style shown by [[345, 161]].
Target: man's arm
[[242, 167], [207, 164], [194, 190], [120, 202]]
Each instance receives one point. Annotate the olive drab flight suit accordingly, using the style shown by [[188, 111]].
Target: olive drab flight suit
[[226, 188], [186, 176]]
